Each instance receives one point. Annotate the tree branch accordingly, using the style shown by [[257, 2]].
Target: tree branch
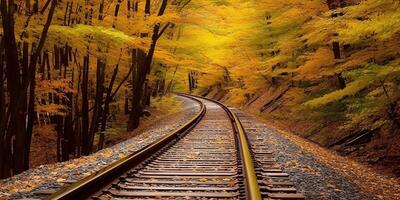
[[184, 5], [163, 30], [42, 40], [45, 6], [162, 8], [121, 83]]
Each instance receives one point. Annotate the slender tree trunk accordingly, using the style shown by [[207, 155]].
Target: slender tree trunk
[[117, 7], [334, 4], [169, 86], [101, 10], [67, 143], [336, 50], [35, 8], [98, 102], [47, 59], [106, 109], [146, 95], [66, 14], [58, 120], [31, 113], [161, 89], [3, 144], [77, 127], [190, 82], [138, 78], [154, 93], [27, 7], [85, 107], [69, 14]]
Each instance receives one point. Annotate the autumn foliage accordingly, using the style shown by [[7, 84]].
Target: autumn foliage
[[70, 65]]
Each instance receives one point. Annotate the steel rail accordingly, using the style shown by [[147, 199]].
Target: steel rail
[[91, 184], [252, 187]]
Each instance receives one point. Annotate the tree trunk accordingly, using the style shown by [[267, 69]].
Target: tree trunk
[[332, 5], [138, 78], [77, 123], [336, 50], [31, 115], [67, 143], [85, 107], [142, 67], [98, 102], [20, 76], [35, 8], [190, 82], [106, 109], [3, 143], [16, 124], [169, 86], [161, 89], [156, 88], [146, 95], [101, 10], [27, 7]]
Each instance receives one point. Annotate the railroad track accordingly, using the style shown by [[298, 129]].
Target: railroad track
[[209, 157]]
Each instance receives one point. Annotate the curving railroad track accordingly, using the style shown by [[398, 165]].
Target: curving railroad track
[[209, 157]]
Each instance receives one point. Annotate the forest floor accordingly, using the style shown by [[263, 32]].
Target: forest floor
[[324, 174], [54, 176]]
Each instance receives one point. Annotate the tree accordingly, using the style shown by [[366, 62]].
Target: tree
[[17, 134], [142, 68]]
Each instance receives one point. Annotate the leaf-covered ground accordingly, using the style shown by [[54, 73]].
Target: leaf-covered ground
[[53, 176]]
